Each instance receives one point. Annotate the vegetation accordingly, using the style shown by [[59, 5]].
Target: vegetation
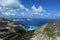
[[52, 29], [9, 29], [12, 31]]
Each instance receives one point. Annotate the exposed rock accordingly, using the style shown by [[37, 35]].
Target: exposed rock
[[7, 27], [49, 31], [6, 24]]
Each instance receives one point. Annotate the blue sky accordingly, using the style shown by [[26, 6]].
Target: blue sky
[[49, 5], [30, 8]]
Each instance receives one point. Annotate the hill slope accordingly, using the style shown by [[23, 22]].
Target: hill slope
[[49, 31]]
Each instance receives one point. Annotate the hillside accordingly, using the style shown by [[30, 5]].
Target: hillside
[[8, 28], [49, 31]]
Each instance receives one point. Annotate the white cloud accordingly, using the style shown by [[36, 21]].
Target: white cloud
[[22, 6], [14, 7], [7, 11], [26, 9], [58, 14], [10, 12], [39, 9], [34, 8], [9, 3], [7, 6]]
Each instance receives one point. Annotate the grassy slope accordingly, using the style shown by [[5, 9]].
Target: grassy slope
[[49, 31]]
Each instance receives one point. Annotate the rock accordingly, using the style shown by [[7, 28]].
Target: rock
[[49, 31], [6, 24], [7, 27]]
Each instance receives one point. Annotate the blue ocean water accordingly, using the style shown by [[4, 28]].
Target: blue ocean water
[[34, 23]]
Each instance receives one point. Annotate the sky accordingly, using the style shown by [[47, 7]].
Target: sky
[[30, 9]]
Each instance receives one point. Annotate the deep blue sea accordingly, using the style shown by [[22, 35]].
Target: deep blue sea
[[34, 23]]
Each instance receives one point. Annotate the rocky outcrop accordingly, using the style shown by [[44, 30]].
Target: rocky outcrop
[[6, 24], [7, 27]]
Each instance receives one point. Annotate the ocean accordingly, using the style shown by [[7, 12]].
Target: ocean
[[34, 23]]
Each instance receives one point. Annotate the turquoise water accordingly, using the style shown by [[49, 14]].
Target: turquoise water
[[33, 27], [34, 23]]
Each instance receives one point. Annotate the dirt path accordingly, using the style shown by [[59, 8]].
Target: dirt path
[[0, 39]]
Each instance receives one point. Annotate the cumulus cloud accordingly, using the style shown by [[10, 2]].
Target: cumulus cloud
[[7, 11], [22, 6], [7, 6], [39, 9], [15, 8], [10, 12], [9, 3]]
